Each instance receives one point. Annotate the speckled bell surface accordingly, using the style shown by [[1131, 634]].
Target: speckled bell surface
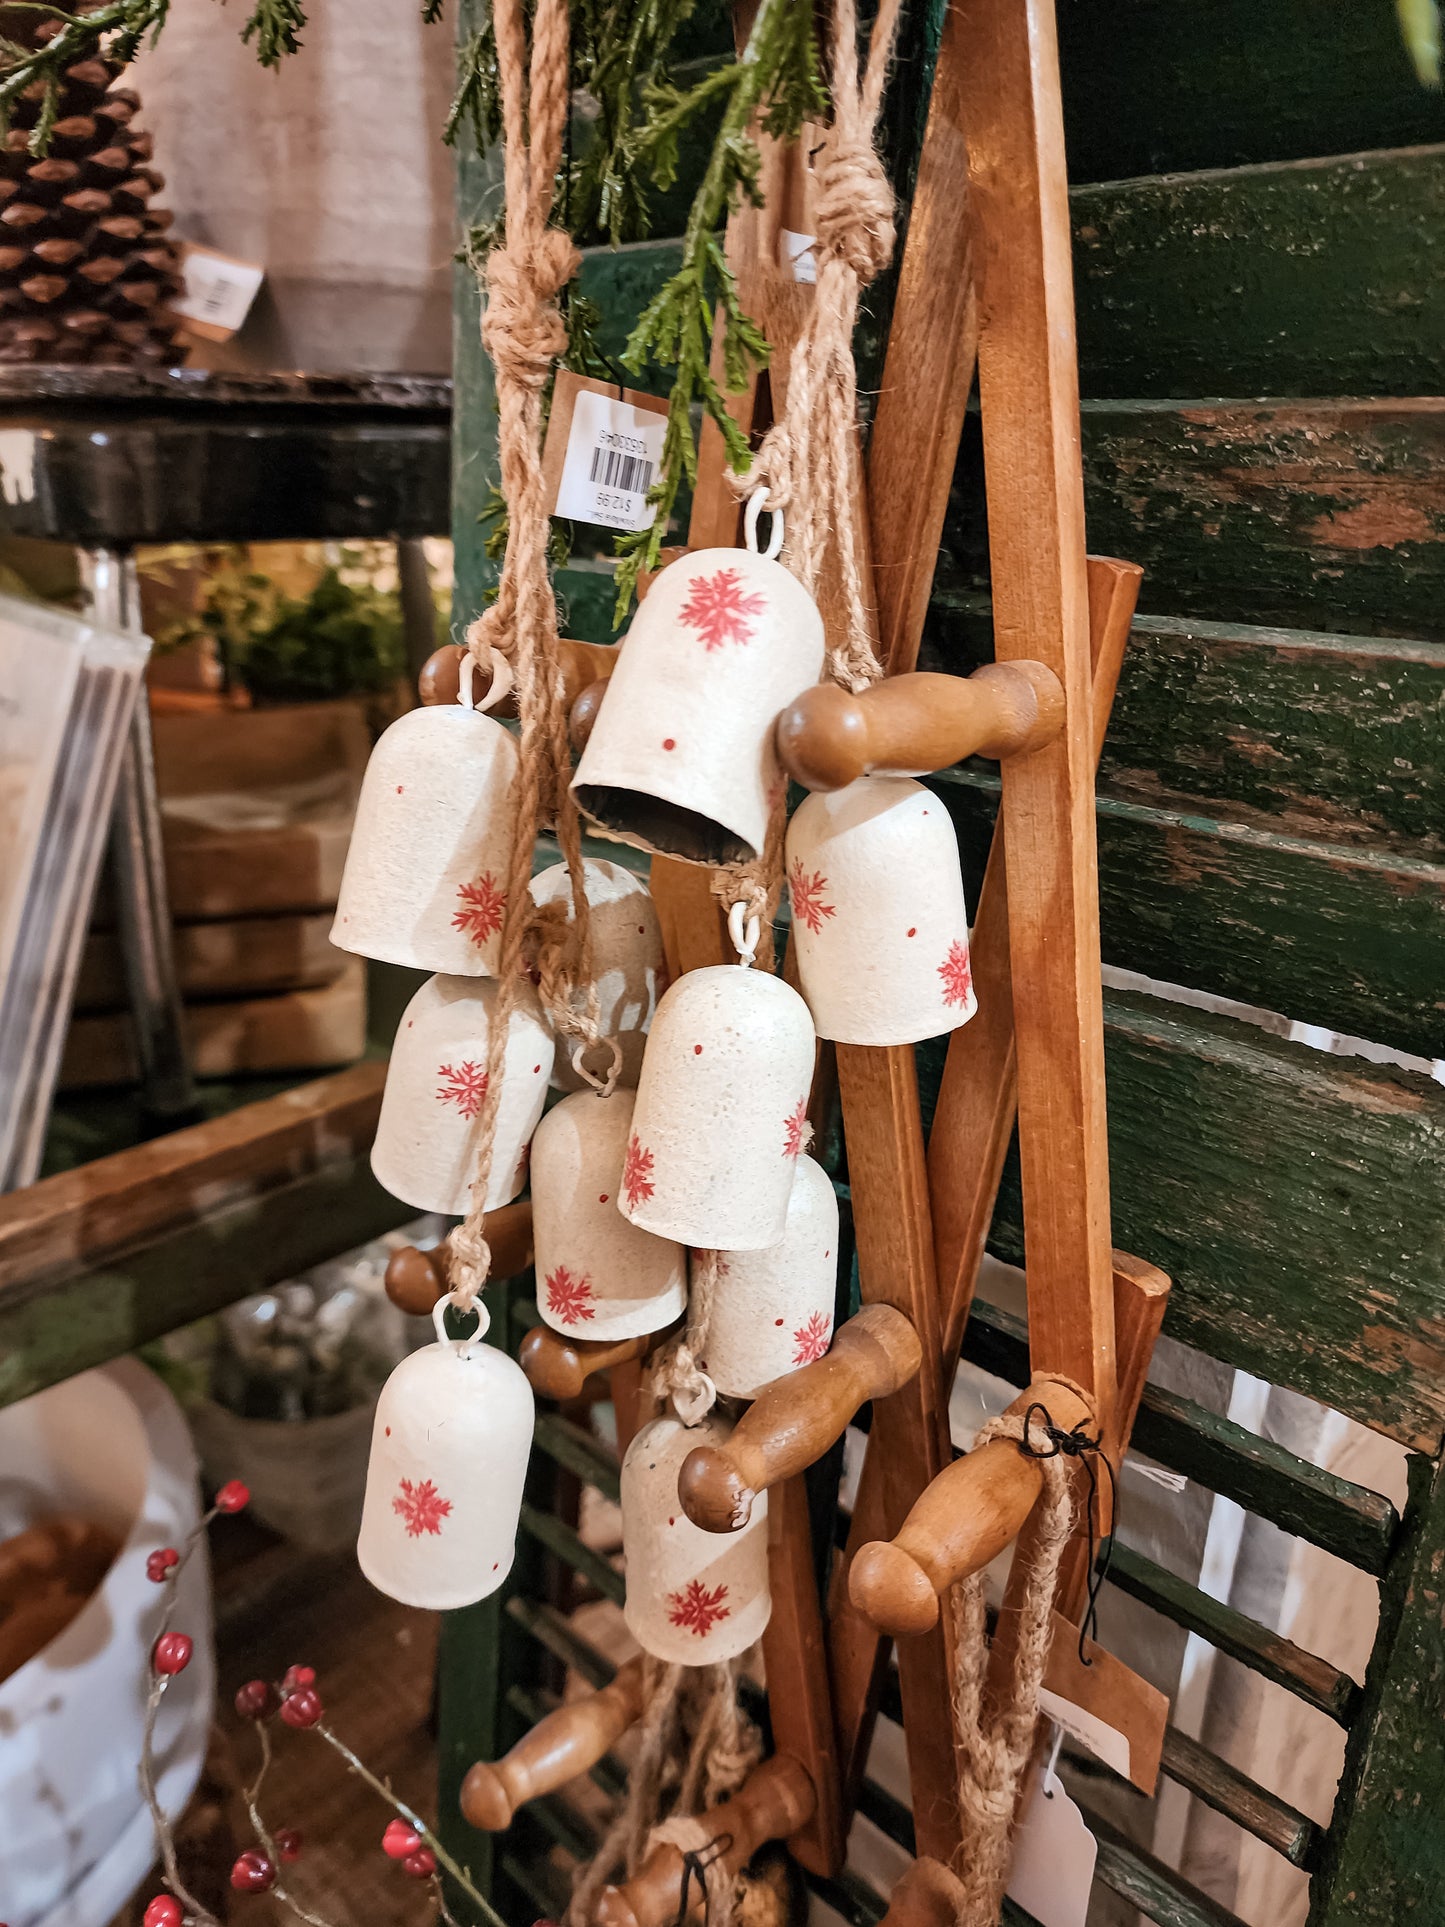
[[681, 758], [449, 1451], [772, 1310], [425, 1151], [423, 884], [879, 921], [721, 1117], [627, 960], [692, 1596], [598, 1276]]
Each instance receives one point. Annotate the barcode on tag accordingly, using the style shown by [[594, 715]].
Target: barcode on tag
[[613, 454], [217, 291]]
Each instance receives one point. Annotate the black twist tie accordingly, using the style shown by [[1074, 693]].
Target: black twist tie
[[1091, 1454], [695, 1863]]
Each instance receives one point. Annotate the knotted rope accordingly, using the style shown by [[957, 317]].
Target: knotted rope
[[995, 1740], [806, 459], [524, 333]]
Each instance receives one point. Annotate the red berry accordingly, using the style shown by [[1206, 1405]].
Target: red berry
[[421, 1865], [158, 1566], [400, 1839], [164, 1911], [232, 1496], [295, 1676], [303, 1707], [288, 1843], [257, 1700], [252, 1873], [171, 1653]]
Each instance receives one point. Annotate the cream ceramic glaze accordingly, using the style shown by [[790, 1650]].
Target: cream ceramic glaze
[[681, 758], [721, 1110], [627, 961], [692, 1596], [597, 1275], [425, 1151], [879, 920], [773, 1310], [449, 1450], [424, 883]]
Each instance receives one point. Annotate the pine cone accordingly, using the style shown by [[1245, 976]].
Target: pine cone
[[86, 270]]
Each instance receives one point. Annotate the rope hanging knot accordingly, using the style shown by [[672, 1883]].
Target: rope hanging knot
[[522, 328], [853, 210], [1089, 1452]]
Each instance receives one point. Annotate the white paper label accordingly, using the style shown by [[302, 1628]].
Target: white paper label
[[613, 452], [797, 254], [1054, 1856], [1105, 1742], [216, 289]]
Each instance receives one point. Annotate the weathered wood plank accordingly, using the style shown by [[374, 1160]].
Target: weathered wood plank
[[1150, 86], [1157, 1891], [1243, 1800], [1349, 938], [560, 1540], [1317, 277], [1267, 1653], [1314, 514], [1349, 1520], [1382, 1860], [1295, 1199], [579, 1452], [1326, 735]]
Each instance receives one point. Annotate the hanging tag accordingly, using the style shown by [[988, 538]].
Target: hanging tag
[[216, 293], [1054, 1855], [798, 232], [796, 255], [1105, 1706], [602, 453]]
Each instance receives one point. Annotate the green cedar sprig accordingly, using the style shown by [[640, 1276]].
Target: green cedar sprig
[[275, 26]]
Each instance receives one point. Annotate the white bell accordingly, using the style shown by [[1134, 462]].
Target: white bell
[[879, 922], [449, 1449], [597, 1275], [692, 1596], [425, 1151], [721, 1117], [772, 1310], [681, 758], [425, 877], [627, 961]]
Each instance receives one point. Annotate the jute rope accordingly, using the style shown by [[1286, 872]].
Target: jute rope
[[524, 333], [995, 1740]]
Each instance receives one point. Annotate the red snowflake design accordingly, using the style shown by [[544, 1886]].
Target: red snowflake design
[[481, 909], [807, 894], [422, 1507], [811, 1340], [957, 974], [719, 610], [637, 1182], [464, 1085], [694, 1607], [795, 1130], [569, 1297]]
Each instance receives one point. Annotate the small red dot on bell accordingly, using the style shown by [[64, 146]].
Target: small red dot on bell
[[914, 931], [399, 788], [602, 1197], [672, 1521], [777, 1321], [535, 1069], [697, 1050], [642, 930], [495, 1564], [388, 1431], [669, 742]]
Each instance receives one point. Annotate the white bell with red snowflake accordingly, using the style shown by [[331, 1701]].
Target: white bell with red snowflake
[[693, 1597], [721, 1115], [880, 928], [772, 1310], [680, 758], [449, 1450], [432, 841], [598, 1276], [627, 960], [425, 1152]]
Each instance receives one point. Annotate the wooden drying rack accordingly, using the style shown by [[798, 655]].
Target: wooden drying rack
[[987, 238]]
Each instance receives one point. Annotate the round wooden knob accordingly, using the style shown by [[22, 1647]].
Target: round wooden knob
[[928, 1895], [485, 1801], [889, 1587], [584, 713], [440, 680], [415, 1279]]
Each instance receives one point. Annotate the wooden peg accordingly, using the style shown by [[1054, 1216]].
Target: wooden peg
[[965, 1518], [559, 1367], [793, 1421], [441, 674], [567, 1742], [776, 1799], [928, 1895], [416, 1279], [911, 724]]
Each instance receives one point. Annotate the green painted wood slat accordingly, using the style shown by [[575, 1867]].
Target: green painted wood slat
[[1241, 1799], [579, 1452], [1158, 1892], [565, 1544]]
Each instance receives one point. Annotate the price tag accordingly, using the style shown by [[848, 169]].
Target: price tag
[[216, 293], [1054, 1855], [602, 453], [1105, 1705], [797, 255]]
